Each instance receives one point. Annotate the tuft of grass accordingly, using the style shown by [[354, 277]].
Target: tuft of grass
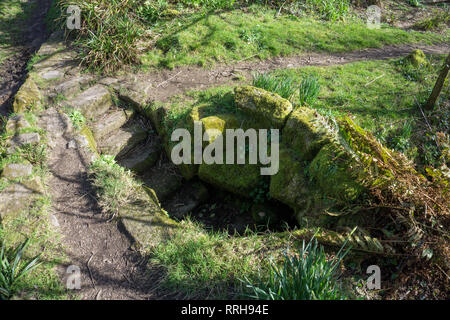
[[438, 21], [308, 275], [284, 86], [114, 184], [13, 268], [108, 34], [309, 90], [330, 10]]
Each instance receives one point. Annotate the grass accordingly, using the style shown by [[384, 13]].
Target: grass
[[114, 184], [308, 275], [32, 223], [13, 14], [169, 34], [12, 269], [384, 98], [308, 91], [283, 86], [235, 35], [77, 118]]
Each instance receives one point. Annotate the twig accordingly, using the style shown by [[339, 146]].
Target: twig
[[374, 80], [423, 114], [90, 273], [442, 271], [246, 58], [165, 81]]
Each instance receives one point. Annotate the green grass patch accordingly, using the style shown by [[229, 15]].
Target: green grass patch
[[33, 223], [208, 38], [384, 98], [114, 184], [13, 14], [169, 34]]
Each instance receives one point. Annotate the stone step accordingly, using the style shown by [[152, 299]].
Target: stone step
[[143, 156], [122, 140], [109, 122], [92, 102], [163, 178], [186, 199], [71, 87]]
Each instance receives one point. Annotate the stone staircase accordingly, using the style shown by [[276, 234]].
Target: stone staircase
[[129, 137]]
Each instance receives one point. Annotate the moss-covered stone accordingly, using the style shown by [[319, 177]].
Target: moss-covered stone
[[92, 102], [336, 171], [121, 141], [18, 196], [111, 121], [290, 185], [27, 97], [146, 222], [271, 109], [240, 179], [417, 58], [17, 122], [219, 122], [305, 133], [87, 134], [164, 180], [170, 13], [17, 170]]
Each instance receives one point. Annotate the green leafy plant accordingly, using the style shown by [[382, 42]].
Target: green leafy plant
[[400, 142], [308, 275], [12, 268], [77, 118], [284, 86], [331, 10], [309, 90]]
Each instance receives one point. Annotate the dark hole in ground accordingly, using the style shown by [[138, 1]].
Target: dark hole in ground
[[224, 211]]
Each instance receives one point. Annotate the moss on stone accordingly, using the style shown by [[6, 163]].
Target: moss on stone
[[335, 171], [145, 221], [240, 179], [269, 108], [289, 184], [27, 97], [417, 58], [219, 122], [87, 133], [305, 133]]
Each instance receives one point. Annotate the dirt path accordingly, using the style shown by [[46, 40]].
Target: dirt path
[[166, 83], [13, 69], [110, 269]]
